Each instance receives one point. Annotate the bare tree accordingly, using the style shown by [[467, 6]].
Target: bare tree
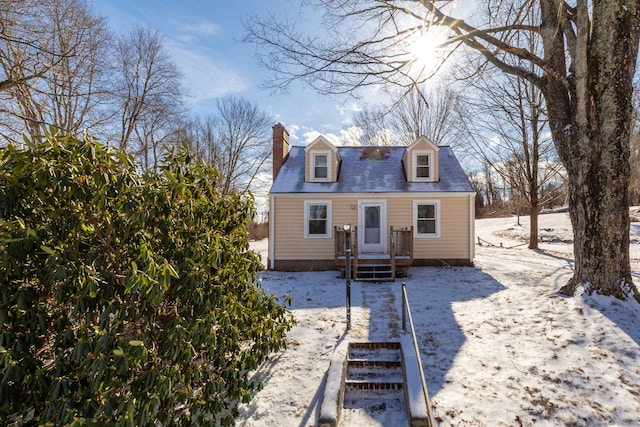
[[511, 112], [428, 113], [54, 57], [235, 141], [201, 135], [154, 132], [634, 183], [371, 125], [493, 195], [27, 51], [148, 92], [584, 69], [479, 187], [415, 113]]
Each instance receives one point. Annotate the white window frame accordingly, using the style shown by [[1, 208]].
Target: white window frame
[[414, 172], [328, 230], [416, 232], [316, 154]]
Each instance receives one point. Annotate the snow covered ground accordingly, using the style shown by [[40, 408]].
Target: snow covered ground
[[499, 346]]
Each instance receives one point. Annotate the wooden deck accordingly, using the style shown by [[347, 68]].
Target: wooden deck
[[376, 266]]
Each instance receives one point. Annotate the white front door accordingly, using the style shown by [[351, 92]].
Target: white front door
[[372, 227]]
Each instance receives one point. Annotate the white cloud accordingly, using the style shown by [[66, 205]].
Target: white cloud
[[205, 28], [192, 31], [206, 77], [351, 135], [311, 135], [260, 189], [348, 109], [494, 142]]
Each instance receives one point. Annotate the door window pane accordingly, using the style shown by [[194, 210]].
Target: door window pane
[[372, 224]]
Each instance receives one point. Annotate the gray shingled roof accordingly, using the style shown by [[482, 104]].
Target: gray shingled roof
[[370, 170]]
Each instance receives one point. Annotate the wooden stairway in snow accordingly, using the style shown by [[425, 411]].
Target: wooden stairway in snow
[[373, 380], [373, 366]]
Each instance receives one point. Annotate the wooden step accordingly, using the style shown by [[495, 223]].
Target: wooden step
[[395, 345], [374, 363], [374, 272], [374, 352], [372, 385], [374, 372]]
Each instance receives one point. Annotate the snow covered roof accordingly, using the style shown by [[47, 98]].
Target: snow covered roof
[[370, 170]]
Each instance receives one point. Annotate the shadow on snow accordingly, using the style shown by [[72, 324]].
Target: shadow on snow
[[432, 292]]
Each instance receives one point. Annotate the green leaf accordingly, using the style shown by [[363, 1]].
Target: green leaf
[[48, 250], [113, 237]]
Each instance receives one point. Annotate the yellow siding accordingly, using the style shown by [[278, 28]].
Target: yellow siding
[[454, 232], [453, 243], [454, 226]]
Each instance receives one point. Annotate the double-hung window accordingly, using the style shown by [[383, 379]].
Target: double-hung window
[[426, 215], [317, 218], [320, 166], [423, 166]]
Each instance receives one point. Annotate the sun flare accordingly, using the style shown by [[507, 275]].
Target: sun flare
[[427, 50]]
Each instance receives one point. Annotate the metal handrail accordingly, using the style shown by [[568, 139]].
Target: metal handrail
[[392, 254], [406, 313]]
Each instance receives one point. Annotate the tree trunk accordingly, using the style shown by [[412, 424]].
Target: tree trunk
[[599, 211], [534, 200], [533, 227], [590, 119]]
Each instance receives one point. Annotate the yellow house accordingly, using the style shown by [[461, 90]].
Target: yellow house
[[403, 206]]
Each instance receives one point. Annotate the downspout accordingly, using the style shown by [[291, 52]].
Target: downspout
[[272, 230], [471, 227]]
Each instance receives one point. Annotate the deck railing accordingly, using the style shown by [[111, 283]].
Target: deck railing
[[340, 248], [400, 249], [403, 240]]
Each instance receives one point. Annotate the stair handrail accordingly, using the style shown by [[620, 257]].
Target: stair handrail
[[354, 253], [392, 253], [406, 313]]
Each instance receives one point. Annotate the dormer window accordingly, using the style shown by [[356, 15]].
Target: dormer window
[[423, 166], [320, 166], [420, 161], [322, 161]]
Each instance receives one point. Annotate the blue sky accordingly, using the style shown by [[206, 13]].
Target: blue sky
[[204, 38]]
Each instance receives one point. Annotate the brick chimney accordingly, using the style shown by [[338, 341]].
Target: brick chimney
[[280, 147]]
